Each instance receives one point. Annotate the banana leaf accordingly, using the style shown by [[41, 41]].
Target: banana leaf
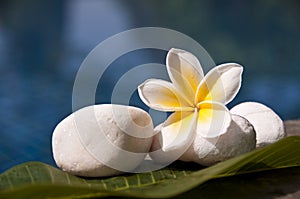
[[39, 180]]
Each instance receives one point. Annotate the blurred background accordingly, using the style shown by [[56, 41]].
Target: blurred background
[[43, 43]]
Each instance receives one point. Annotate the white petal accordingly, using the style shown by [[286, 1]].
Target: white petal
[[179, 130], [185, 71], [221, 84], [162, 95], [213, 119]]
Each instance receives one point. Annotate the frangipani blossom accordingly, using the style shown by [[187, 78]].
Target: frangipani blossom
[[198, 101]]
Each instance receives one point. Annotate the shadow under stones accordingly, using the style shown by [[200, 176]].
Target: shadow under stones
[[283, 183]]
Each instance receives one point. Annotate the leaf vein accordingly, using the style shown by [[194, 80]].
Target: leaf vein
[[29, 174]]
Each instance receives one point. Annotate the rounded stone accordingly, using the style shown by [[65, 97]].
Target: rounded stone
[[102, 140], [267, 124], [239, 138]]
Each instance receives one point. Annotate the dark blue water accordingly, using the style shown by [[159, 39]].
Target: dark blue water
[[43, 44]]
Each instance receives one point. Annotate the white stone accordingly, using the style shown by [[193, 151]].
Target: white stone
[[267, 124], [102, 140], [240, 138]]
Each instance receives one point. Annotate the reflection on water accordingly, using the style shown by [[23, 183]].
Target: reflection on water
[[42, 47]]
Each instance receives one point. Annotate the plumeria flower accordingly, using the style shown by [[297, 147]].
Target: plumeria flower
[[197, 101]]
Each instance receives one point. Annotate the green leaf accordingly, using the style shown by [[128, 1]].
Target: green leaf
[[39, 180]]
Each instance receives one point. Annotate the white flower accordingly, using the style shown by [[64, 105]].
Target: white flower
[[198, 102]]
